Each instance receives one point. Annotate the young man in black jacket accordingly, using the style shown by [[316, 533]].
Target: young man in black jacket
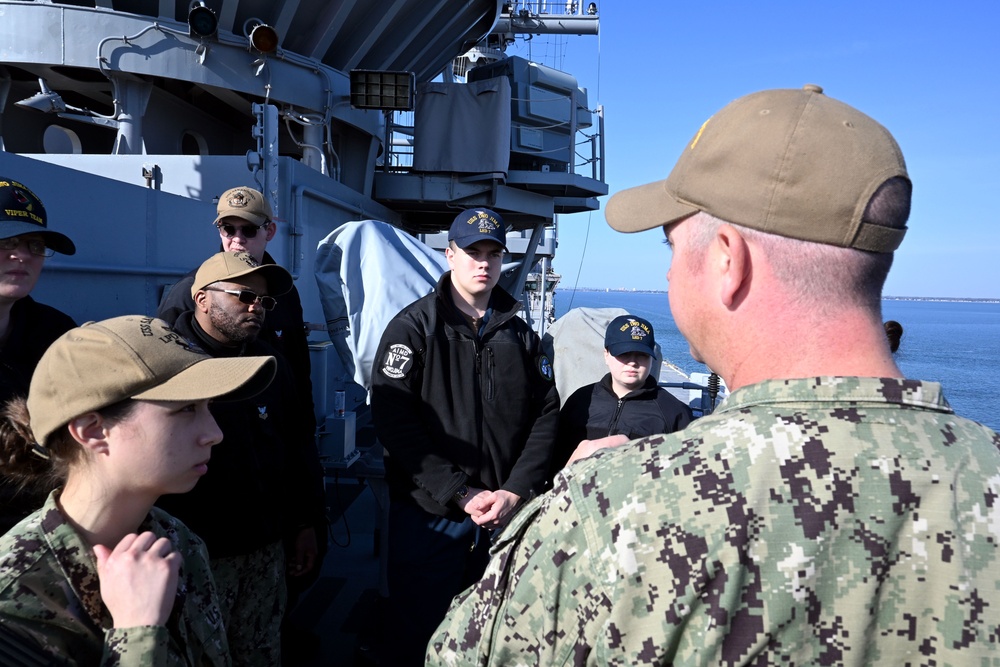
[[626, 401], [464, 404]]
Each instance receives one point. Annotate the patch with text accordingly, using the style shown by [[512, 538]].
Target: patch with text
[[397, 361]]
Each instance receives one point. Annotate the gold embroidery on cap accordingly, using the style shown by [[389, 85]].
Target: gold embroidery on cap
[[698, 136], [239, 199], [248, 259]]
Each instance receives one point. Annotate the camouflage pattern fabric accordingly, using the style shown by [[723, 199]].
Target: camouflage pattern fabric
[[50, 594], [824, 521], [252, 594]]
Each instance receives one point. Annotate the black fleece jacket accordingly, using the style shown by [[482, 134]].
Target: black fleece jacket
[[33, 327], [595, 411], [452, 407]]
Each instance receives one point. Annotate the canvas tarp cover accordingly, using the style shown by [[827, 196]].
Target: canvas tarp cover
[[367, 272]]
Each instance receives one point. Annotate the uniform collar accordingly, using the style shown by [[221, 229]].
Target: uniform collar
[[839, 389]]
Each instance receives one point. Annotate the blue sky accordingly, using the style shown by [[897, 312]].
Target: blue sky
[[929, 72]]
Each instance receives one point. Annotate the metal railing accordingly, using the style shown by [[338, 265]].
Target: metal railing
[[585, 145]]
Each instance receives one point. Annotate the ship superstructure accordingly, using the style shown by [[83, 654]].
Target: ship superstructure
[[129, 117]]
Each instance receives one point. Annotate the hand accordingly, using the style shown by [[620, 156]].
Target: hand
[[498, 507], [138, 579], [474, 504], [588, 447], [303, 559]]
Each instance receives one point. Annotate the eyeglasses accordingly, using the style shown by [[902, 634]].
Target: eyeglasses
[[248, 231], [248, 297], [35, 246]]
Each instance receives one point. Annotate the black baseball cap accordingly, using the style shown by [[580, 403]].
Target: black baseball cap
[[627, 333], [22, 212], [478, 224]]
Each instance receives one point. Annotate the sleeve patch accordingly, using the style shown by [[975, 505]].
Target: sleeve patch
[[397, 361], [545, 367]]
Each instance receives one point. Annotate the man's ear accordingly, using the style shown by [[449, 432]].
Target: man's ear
[[733, 262], [271, 230], [89, 430], [201, 300]]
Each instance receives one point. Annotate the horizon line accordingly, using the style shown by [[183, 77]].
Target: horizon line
[[986, 299]]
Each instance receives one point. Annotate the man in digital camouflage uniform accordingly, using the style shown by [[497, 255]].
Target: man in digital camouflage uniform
[[829, 512]]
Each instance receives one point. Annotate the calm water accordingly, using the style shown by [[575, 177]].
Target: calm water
[[954, 343]]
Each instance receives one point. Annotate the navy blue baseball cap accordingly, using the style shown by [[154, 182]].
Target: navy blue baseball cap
[[478, 224], [21, 212], [629, 334]]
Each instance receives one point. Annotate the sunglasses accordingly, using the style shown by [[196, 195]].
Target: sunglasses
[[248, 297], [248, 231], [35, 246]]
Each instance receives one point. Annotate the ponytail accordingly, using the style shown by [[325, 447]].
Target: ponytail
[[25, 462]]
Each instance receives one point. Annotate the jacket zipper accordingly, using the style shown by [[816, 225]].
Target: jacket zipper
[[614, 418], [489, 387]]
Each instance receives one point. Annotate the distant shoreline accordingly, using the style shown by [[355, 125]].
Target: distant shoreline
[[622, 290]]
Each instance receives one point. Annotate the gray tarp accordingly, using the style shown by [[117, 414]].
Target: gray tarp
[[367, 272]]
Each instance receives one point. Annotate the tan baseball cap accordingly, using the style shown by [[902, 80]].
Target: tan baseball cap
[[226, 266], [102, 363], [794, 163], [246, 203]]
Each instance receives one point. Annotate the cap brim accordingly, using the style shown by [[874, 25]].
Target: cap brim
[[258, 220], [279, 280], [645, 207], [466, 242], [226, 379], [58, 242], [618, 349]]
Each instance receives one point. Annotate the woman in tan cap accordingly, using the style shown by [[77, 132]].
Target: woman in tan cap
[[116, 415]]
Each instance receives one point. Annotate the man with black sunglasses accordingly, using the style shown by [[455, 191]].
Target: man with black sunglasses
[[245, 222], [264, 486], [27, 327]]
